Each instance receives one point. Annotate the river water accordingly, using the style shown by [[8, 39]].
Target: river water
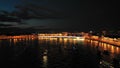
[[52, 53]]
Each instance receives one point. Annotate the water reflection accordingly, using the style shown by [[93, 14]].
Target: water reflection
[[62, 41], [104, 46], [45, 58], [52, 52]]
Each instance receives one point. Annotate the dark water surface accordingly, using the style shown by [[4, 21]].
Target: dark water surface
[[50, 53]]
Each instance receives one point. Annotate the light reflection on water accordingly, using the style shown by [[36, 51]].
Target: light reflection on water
[[45, 58], [66, 43], [21, 45], [115, 51]]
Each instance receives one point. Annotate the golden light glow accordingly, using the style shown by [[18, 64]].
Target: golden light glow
[[106, 46], [15, 41], [45, 60]]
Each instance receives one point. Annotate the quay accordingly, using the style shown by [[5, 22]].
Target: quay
[[17, 37], [107, 40]]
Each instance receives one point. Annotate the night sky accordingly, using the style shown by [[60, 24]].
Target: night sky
[[64, 15]]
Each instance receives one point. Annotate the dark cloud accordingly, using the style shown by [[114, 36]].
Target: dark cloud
[[17, 30], [5, 25], [40, 27], [74, 14], [31, 10], [10, 17], [39, 12], [6, 18]]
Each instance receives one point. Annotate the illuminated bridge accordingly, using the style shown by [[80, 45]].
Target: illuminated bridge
[[45, 35], [60, 35]]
